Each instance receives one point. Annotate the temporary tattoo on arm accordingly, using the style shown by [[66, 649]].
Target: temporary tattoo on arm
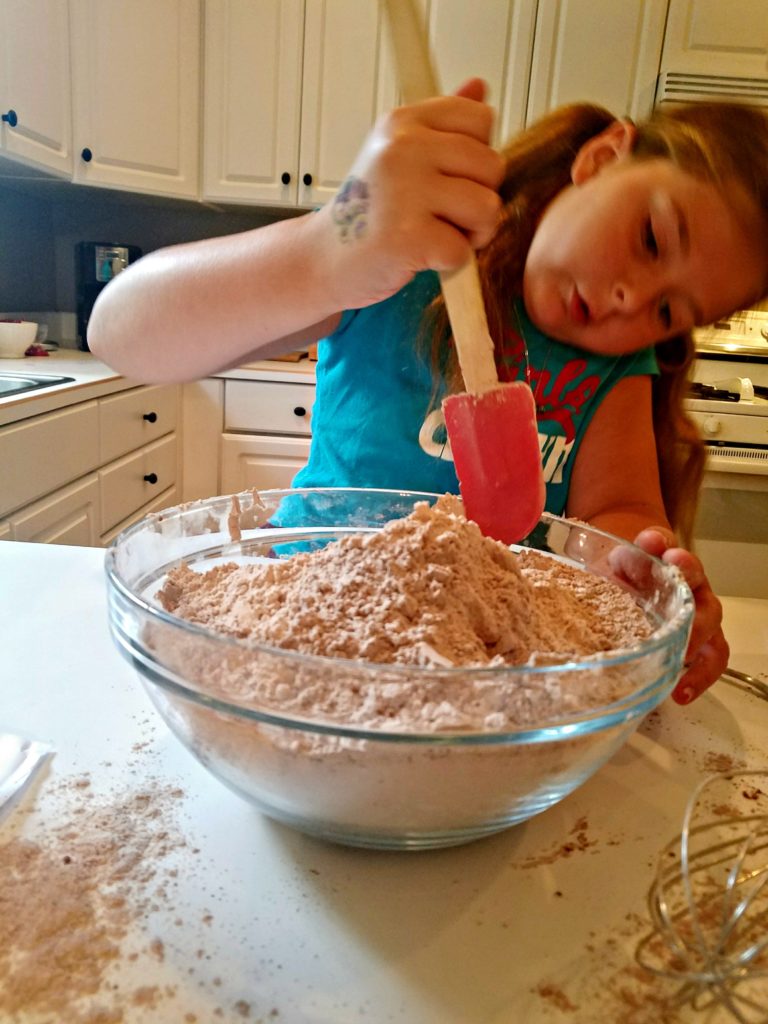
[[350, 209]]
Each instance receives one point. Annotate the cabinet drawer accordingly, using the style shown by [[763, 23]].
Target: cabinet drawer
[[164, 500], [68, 516], [44, 453], [136, 479], [135, 417], [267, 408]]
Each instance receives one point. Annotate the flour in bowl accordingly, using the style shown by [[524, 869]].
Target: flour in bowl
[[429, 592], [429, 589], [380, 690]]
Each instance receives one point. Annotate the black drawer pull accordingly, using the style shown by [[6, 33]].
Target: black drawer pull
[[11, 118], [150, 417], [87, 155], [307, 179], [151, 478], [299, 410], [285, 178]]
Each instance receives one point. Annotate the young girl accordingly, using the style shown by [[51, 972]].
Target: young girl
[[601, 244]]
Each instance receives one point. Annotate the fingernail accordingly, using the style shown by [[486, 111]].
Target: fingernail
[[685, 696]]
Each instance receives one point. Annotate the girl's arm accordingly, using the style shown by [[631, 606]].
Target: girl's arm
[[615, 478], [615, 486], [421, 193]]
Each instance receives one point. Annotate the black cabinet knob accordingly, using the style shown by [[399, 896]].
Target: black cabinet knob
[[87, 155], [285, 178], [307, 179], [299, 410], [150, 417], [151, 478], [11, 118]]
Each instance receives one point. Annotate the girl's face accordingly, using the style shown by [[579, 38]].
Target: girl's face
[[638, 251]]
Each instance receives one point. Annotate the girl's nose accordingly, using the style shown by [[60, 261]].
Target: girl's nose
[[629, 296]]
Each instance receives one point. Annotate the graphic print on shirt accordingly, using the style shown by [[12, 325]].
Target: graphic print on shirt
[[559, 404]]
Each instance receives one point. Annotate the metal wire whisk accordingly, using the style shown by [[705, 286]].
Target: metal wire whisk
[[709, 901]]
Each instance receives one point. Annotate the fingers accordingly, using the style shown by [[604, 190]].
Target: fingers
[[707, 653], [656, 540], [427, 194], [429, 167], [708, 664], [472, 89]]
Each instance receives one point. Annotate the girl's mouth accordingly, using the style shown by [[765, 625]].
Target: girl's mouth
[[578, 309]]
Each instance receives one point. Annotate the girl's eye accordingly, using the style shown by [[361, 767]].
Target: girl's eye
[[649, 239], [665, 314]]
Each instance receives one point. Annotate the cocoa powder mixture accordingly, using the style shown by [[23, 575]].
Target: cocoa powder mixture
[[428, 590]]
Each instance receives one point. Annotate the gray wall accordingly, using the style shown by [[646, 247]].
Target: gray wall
[[41, 221]]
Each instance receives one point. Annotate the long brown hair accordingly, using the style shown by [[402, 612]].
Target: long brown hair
[[721, 142]]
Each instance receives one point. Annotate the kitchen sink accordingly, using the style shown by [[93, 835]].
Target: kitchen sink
[[16, 383]]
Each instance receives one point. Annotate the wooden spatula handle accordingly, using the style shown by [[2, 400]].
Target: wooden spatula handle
[[461, 288]]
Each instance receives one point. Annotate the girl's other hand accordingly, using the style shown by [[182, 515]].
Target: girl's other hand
[[707, 654]]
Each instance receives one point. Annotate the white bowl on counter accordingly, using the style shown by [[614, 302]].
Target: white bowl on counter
[[15, 337]]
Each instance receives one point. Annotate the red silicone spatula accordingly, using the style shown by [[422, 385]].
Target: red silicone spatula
[[491, 427]]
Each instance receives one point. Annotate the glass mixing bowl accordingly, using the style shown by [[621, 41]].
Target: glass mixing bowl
[[378, 787]]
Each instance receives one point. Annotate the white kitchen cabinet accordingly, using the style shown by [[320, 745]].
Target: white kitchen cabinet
[[260, 462], [714, 37], [76, 475], [491, 40], [134, 480], [598, 51], [267, 428], [135, 86], [43, 453], [291, 88], [165, 499], [68, 516], [134, 418], [35, 103], [202, 423]]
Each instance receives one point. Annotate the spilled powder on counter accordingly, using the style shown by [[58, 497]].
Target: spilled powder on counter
[[67, 903], [429, 589]]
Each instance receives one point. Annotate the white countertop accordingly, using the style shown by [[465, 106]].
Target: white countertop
[[262, 923], [93, 379]]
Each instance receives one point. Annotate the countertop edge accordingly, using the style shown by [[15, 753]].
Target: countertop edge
[[93, 379]]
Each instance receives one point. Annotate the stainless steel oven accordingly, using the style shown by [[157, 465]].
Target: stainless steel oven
[[729, 401]]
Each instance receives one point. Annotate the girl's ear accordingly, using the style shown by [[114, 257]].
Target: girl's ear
[[612, 144]]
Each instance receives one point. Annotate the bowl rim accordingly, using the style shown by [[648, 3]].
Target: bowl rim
[[623, 706]]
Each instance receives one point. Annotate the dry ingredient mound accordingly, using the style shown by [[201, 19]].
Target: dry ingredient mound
[[429, 589]]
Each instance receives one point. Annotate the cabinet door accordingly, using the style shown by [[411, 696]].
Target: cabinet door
[[261, 462], [715, 37], [490, 41], [252, 100], [599, 51], [135, 94], [346, 85], [34, 83]]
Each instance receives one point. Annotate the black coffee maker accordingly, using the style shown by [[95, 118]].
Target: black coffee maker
[[96, 263]]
